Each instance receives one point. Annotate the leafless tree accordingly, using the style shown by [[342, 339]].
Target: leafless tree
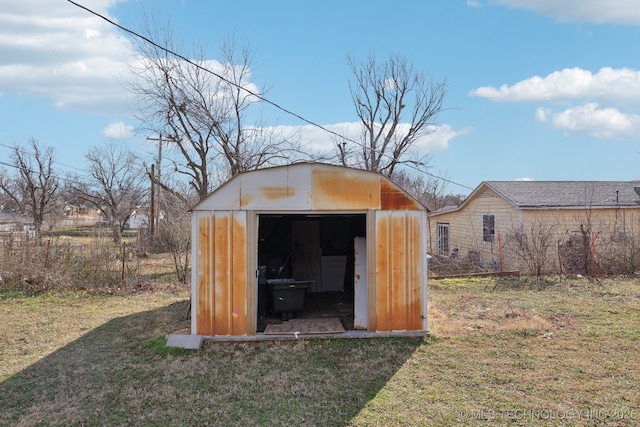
[[534, 244], [7, 187], [115, 184], [174, 234], [33, 188], [429, 191], [203, 107], [397, 105]]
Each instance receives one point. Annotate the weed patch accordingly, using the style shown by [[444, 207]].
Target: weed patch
[[158, 345]]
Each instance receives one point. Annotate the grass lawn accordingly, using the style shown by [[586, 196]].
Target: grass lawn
[[501, 352]]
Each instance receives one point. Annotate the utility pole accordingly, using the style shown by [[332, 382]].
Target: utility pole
[[152, 213], [155, 204]]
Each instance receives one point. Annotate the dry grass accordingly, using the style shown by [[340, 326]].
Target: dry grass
[[563, 355], [81, 262], [34, 326], [503, 353]]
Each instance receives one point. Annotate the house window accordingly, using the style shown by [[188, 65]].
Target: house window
[[488, 228], [443, 239]]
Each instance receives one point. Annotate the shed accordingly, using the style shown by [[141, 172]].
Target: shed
[[354, 238]]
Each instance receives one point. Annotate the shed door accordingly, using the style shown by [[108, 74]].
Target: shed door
[[361, 284], [400, 287]]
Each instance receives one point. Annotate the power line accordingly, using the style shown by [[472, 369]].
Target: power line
[[72, 180], [53, 161], [31, 171], [250, 92]]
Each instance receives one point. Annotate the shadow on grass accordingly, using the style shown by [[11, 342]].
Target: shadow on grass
[[118, 375]]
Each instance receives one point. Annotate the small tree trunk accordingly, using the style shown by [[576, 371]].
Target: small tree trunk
[[116, 233]]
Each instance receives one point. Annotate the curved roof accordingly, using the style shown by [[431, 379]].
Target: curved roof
[[309, 186]]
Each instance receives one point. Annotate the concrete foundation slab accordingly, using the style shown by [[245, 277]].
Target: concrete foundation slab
[[190, 342]]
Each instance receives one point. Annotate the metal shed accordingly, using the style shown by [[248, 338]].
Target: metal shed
[[353, 236]]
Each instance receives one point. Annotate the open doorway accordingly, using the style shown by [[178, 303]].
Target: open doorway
[[307, 261]]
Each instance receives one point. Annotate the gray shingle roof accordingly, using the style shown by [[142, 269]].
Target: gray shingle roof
[[565, 194]]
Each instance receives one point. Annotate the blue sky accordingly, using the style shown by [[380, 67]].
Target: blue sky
[[537, 89]]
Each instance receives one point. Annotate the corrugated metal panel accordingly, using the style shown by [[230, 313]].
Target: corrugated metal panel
[[275, 188], [345, 189], [221, 277], [400, 271], [392, 198], [203, 288]]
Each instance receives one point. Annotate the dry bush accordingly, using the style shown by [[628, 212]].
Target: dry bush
[[70, 263]]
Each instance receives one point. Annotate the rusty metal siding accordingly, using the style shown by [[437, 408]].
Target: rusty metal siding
[[221, 276], [400, 273], [203, 292], [344, 189], [392, 198], [239, 274], [275, 188]]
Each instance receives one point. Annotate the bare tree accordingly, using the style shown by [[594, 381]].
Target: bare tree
[[397, 105], [534, 245], [175, 234], [115, 184], [7, 188], [202, 107], [430, 191], [33, 188]]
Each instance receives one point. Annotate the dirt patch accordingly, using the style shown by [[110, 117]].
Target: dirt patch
[[467, 318]]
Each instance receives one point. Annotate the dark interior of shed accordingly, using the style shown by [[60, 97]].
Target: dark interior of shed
[[308, 257]]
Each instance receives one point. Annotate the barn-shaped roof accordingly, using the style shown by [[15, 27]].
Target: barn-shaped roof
[[309, 187]]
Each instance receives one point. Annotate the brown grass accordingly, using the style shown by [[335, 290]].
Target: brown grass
[[504, 353], [563, 355]]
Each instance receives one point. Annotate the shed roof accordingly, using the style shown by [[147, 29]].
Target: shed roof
[[309, 186]]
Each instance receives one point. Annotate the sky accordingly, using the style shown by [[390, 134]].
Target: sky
[[536, 89]]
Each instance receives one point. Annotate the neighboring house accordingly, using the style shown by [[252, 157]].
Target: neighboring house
[[16, 225], [138, 219], [77, 214], [539, 227]]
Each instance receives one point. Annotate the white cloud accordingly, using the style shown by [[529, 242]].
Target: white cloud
[[600, 105], [318, 140], [72, 58], [118, 130], [590, 119], [474, 3], [60, 52], [439, 139], [230, 74], [597, 11], [524, 178], [619, 86]]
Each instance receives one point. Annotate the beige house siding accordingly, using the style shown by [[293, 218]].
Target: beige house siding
[[613, 231], [606, 232], [466, 228]]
